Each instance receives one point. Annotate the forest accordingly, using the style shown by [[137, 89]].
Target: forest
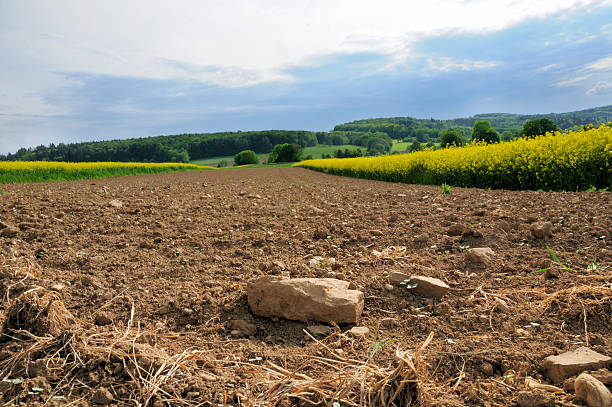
[[374, 135]]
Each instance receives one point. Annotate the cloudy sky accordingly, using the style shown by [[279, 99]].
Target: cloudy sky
[[75, 70]]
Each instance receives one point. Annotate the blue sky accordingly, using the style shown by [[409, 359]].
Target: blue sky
[[76, 71]]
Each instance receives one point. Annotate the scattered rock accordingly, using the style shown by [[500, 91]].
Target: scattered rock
[[305, 299], [115, 203], [501, 305], [241, 327], [459, 230], [423, 238], [396, 277], [359, 331], [487, 369], [9, 231], [376, 232], [551, 272], [592, 391], [102, 396], [319, 234], [536, 398], [559, 367], [103, 318], [429, 286], [541, 230], [388, 287], [319, 330], [481, 255], [315, 261], [58, 287]]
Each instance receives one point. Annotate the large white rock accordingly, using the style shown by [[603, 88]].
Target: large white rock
[[560, 367], [305, 299]]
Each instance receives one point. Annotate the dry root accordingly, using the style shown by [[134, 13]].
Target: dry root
[[349, 382]]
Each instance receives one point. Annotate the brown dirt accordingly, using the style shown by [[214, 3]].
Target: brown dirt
[[153, 284]]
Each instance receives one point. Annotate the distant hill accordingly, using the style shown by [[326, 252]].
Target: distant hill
[[373, 134], [426, 129]]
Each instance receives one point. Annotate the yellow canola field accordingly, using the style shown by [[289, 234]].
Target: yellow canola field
[[36, 171], [559, 161]]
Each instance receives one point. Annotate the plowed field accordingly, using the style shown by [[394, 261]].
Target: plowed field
[[153, 269]]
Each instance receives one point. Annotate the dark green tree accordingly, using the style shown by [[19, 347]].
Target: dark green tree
[[538, 127], [451, 137], [285, 153], [246, 157], [483, 131]]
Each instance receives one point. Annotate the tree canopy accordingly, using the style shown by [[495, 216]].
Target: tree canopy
[[483, 131], [246, 157], [538, 127], [451, 137], [282, 153]]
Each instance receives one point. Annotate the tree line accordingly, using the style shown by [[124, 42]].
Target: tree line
[[375, 136]]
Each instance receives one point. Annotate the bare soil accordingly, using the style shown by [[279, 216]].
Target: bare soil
[[139, 279]]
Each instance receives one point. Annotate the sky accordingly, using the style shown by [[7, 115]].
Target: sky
[[74, 70]]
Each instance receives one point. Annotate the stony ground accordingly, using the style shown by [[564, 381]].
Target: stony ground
[[142, 281]]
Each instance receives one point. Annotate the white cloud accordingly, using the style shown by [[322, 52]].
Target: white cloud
[[446, 64], [116, 37], [547, 68], [228, 43], [603, 64], [600, 88], [572, 81]]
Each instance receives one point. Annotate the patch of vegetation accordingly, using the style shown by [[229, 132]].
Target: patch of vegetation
[[246, 157], [44, 171]]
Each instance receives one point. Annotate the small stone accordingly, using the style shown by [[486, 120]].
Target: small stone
[[541, 230], [9, 231], [477, 233], [423, 238], [592, 391], [319, 330], [481, 255], [487, 369], [559, 367], [187, 311], [359, 331], [315, 261], [243, 328], [536, 398], [388, 287], [319, 234], [103, 318], [58, 287], [501, 305], [376, 232], [551, 272], [102, 396], [429, 286], [115, 203], [396, 277], [209, 377], [568, 384]]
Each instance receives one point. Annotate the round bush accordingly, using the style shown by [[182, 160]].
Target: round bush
[[246, 157]]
